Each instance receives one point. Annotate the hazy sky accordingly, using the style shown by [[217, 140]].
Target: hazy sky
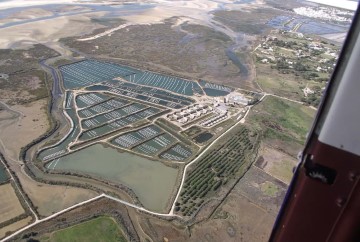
[[347, 4], [351, 5]]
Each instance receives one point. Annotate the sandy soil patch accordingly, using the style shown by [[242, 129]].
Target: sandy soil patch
[[196, 11], [16, 134], [277, 164], [27, 14], [5, 115], [156, 15], [49, 30], [15, 226], [50, 199], [72, 8], [237, 220], [10, 207]]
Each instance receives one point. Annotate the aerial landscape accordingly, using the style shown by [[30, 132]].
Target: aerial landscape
[[157, 120]]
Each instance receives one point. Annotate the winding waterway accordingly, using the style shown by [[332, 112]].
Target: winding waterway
[[3, 175]]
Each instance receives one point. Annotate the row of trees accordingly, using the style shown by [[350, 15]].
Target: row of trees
[[213, 171]]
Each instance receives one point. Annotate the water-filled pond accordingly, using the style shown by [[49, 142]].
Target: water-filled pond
[[152, 181], [203, 137], [215, 93], [3, 174]]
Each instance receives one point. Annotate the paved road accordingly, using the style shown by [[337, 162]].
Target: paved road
[[285, 98], [140, 208], [37, 221]]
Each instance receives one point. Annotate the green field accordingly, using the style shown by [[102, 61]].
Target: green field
[[99, 229], [283, 171], [282, 121], [270, 189], [285, 85]]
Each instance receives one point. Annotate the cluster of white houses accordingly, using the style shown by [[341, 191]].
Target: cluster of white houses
[[195, 111], [190, 113], [218, 109]]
